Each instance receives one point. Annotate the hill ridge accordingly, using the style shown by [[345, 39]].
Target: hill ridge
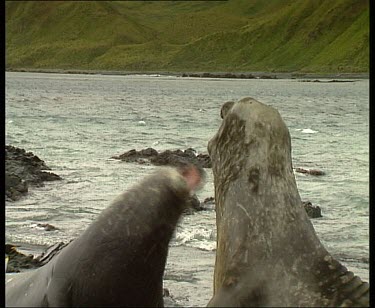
[[236, 35]]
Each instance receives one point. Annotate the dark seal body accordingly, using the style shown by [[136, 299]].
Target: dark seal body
[[120, 258], [268, 253]]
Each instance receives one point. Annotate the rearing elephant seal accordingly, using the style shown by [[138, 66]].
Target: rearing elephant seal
[[119, 260], [268, 253]]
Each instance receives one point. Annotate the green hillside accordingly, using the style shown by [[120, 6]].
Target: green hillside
[[235, 35]]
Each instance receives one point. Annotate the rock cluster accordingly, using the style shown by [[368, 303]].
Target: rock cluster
[[19, 261], [229, 75], [313, 211], [23, 169], [177, 158], [174, 158]]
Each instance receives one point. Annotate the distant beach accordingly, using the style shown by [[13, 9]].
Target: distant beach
[[239, 75]]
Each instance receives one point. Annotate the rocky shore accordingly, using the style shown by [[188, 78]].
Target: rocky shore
[[175, 158], [18, 262], [23, 169], [240, 75]]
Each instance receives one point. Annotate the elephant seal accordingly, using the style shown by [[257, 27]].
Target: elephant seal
[[268, 253], [119, 259]]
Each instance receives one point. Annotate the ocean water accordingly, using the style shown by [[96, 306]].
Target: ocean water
[[75, 123]]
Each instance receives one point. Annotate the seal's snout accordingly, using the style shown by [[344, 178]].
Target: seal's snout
[[193, 177]]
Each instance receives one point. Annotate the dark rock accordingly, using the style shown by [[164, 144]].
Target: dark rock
[[19, 261], [309, 80], [15, 187], [205, 160], [326, 81], [221, 75], [335, 80], [170, 158], [209, 200], [206, 75], [176, 158], [267, 77], [310, 171], [47, 227], [165, 292], [148, 152], [208, 203], [23, 169], [313, 211], [168, 299], [49, 176], [194, 205]]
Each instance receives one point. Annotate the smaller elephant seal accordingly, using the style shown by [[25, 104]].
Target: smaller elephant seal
[[268, 253], [120, 258]]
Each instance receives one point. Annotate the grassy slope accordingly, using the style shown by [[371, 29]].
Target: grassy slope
[[237, 35]]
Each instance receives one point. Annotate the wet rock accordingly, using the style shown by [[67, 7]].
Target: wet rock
[[49, 176], [165, 292], [219, 75], [175, 158], [208, 203], [194, 205], [18, 261], [313, 211], [310, 171], [23, 169], [204, 160], [15, 187], [267, 77], [326, 81], [47, 227], [168, 299]]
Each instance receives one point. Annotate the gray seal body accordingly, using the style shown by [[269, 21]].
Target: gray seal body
[[120, 258], [268, 253]]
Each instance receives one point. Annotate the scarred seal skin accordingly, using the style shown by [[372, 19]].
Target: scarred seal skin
[[268, 253], [120, 258]]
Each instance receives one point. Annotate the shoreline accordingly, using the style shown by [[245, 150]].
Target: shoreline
[[202, 74]]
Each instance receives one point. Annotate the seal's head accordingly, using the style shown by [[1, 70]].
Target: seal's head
[[183, 181]]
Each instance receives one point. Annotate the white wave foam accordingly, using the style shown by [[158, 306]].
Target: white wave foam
[[308, 131], [199, 238]]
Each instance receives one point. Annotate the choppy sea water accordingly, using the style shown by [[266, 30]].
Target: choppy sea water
[[75, 123]]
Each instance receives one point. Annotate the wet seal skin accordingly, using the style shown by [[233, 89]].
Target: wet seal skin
[[268, 253], [119, 260]]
